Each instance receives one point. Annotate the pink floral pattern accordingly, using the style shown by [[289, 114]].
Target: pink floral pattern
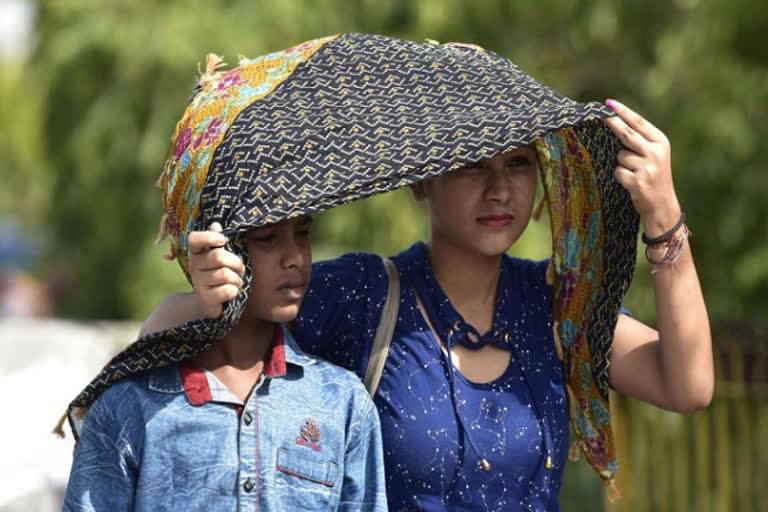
[[185, 138], [229, 80], [209, 135], [220, 99]]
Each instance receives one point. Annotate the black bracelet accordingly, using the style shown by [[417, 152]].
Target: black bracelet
[[666, 237]]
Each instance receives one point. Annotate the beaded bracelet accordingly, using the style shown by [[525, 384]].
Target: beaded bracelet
[[675, 245]]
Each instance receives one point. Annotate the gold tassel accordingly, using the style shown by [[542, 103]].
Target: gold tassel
[[58, 430], [162, 231], [558, 343], [171, 254], [573, 451], [572, 402], [550, 276], [212, 63], [166, 170], [613, 492], [539, 209]]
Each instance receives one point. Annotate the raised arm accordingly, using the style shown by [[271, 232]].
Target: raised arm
[[216, 277], [671, 368]]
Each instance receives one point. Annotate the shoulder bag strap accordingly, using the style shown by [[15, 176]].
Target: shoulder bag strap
[[385, 330]]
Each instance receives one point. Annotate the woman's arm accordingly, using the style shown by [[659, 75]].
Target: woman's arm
[[174, 310], [671, 368], [339, 312], [216, 277]]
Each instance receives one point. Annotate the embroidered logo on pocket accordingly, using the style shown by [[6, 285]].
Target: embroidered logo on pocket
[[310, 435]]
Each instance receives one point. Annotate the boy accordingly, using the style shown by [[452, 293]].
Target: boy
[[248, 422]]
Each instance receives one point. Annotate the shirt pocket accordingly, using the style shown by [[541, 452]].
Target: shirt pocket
[[304, 480]]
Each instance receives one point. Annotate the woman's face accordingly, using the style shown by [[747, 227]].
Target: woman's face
[[281, 259], [486, 207]]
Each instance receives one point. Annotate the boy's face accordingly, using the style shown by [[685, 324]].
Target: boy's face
[[281, 259]]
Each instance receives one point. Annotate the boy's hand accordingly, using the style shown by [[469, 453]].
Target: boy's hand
[[216, 273]]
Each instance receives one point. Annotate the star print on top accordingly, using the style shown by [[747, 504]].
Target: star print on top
[[429, 462]]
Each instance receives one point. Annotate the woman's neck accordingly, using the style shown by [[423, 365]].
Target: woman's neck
[[468, 278], [245, 347]]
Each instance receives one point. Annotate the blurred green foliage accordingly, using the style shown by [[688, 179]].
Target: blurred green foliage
[[91, 111], [88, 116]]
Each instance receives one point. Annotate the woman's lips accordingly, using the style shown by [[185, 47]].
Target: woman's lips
[[496, 221]]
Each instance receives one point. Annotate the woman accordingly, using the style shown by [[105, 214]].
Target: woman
[[488, 432]]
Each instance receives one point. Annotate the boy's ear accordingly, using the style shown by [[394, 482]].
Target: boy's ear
[[418, 190]]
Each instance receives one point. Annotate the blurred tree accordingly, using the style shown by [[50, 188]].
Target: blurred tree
[[88, 118]]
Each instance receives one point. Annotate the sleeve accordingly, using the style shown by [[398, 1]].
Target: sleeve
[[341, 310], [103, 474], [363, 485]]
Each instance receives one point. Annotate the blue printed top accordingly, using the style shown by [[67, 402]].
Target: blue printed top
[[176, 438], [515, 422]]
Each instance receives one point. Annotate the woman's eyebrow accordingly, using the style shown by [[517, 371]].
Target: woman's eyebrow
[[515, 156]]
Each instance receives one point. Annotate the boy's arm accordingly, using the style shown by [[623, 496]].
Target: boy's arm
[[103, 475], [363, 486]]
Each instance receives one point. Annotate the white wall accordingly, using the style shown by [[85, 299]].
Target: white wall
[[44, 363]]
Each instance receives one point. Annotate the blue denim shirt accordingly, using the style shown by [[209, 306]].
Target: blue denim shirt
[[306, 439]]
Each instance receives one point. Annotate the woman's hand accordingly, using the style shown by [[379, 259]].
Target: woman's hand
[[216, 273], [672, 367], [645, 169], [216, 278]]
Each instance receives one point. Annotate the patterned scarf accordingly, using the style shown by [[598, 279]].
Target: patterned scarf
[[345, 117]]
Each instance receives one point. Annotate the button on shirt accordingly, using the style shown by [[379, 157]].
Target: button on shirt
[[177, 439]]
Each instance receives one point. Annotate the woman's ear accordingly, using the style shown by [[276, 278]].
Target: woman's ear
[[418, 190]]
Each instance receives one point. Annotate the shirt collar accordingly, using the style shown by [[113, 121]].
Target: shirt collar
[[202, 387], [293, 354], [274, 366]]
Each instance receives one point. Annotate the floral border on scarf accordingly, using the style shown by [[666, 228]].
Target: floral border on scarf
[[576, 271], [218, 100]]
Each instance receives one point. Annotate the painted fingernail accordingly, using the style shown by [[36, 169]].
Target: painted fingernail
[[612, 104]]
